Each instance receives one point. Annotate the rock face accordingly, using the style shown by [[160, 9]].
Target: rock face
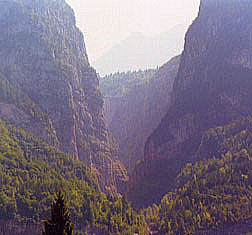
[[133, 117], [213, 87], [48, 87]]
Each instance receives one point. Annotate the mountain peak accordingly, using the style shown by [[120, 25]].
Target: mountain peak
[[140, 51]]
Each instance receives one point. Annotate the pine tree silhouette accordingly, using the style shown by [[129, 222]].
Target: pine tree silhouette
[[60, 222]]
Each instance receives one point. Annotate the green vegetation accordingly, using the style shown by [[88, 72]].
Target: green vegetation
[[214, 191], [118, 84], [30, 174], [60, 222], [11, 94], [47, 86]]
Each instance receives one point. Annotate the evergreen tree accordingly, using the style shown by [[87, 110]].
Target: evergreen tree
[[60, 222]]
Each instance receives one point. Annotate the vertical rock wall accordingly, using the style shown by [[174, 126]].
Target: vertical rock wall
[[43, 58]]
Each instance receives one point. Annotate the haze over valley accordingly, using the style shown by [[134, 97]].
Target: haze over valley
[[105, 131]]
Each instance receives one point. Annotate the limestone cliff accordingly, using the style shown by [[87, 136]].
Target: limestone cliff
[[48, 87], [213, 87]]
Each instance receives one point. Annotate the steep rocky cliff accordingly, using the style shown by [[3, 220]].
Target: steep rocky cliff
[[213, 87], [48, 87], [133, 116]]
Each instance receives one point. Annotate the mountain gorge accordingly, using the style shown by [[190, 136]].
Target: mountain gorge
[[135, 110], [49, 89], [183, 131], [212, 88]]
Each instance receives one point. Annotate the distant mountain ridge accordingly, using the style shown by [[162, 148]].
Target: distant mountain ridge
[[139, 51]]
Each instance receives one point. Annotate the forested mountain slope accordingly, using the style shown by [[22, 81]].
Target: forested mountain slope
[[135, 102], [212, 195], [213, 87], [48, 87], [118, 84], [32, 171]]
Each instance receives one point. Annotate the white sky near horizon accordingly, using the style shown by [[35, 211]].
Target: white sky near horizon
[[105, 23]]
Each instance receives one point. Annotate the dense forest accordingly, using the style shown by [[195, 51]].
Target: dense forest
[[32, 171], [213, 191]]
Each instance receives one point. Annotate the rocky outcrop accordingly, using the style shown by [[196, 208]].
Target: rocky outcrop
[[133, 116], [213, 87], [213, 83], [48, 87]]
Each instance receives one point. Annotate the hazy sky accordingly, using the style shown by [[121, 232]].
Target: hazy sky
[[107, 22]]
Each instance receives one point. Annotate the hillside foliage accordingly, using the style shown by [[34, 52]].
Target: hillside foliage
[[214, 191], [32, 171]]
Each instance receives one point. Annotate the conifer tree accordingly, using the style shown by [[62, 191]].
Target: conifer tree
[[60, 222]]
